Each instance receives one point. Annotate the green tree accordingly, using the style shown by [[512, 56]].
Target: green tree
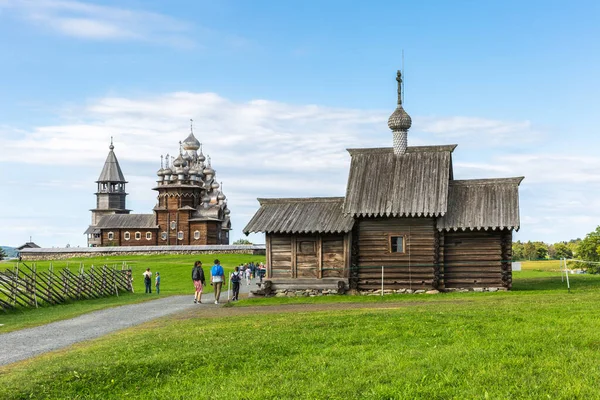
[[541, 250], [587, 250], [518, 251], [242, 241], [529, 251], [561, 250], [2, 254]]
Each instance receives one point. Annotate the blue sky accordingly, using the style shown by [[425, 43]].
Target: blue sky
[[279, 90]]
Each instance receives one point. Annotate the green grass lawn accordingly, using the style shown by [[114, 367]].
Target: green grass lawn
[[522, 344], [175, 272], [537, 341]]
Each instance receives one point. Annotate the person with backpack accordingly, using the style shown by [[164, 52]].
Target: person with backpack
[[148, 280], [199, 281], [236, 277], [217, 276]]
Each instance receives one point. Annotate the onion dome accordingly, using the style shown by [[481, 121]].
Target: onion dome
[[201, 157], [191, 143], [178, 162], [167, 171], [206, 199], [186, 157], [399, 120], [208, 171], [215, 185], [226, 211], [221, 196], [186, 170]]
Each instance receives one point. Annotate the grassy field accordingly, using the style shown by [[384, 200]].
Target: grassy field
[[537, 341], [175, 272]]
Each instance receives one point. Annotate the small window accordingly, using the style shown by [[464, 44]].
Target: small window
[[138, 235], [197, 235], [148, 235], [126, 236], [396, 244], [173, 225], [111, 236], [180, 235], [163, 236]]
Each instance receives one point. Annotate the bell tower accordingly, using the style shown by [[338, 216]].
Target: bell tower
[[110, 193]]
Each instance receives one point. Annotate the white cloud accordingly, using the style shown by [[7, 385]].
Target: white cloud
[[263, 148], [491, 132], [90, 21]]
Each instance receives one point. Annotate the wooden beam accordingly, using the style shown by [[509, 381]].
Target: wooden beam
[[268, 255], [319, 256], [293, 244]]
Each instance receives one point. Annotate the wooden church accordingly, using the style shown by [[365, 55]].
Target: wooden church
[[404, 214], [191, 208]]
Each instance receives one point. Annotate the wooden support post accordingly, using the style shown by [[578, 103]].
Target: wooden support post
[[319, 257], [294, 260]]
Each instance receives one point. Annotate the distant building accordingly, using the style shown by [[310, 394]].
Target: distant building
[[191, 209], [28, 245], [405, 220]]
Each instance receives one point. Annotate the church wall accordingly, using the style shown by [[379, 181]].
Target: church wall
[[307, 256], [414, 267], [477, 259]]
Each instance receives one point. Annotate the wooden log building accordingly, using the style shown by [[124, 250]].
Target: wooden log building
[[403, 211], [191, 208]]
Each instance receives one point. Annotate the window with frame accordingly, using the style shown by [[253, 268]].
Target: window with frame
[[163, 236], [138, 235], [396, 244], [126, 236], [196, 235], [180, 235], [173, 225], [148, 235], [111, 236]]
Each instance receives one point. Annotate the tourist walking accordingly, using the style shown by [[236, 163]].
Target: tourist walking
[[157, 283], [148, 280], [199, 281], [217, 276], [248, 272], [235, 278]]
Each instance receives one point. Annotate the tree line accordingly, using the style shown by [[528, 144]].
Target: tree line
[[586, 249]]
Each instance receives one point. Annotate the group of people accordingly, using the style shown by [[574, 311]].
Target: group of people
[[148, 281], [217, 278], [246, 271]]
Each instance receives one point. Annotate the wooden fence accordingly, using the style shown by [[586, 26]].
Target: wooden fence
[[25, 286]]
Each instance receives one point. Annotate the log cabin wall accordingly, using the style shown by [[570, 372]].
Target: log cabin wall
[[308, 256], [477, 259], [414, 268]]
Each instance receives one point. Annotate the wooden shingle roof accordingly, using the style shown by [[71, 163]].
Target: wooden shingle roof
[[482, 204], [414, 184], [111, 172], [116, 221], [300, 215]]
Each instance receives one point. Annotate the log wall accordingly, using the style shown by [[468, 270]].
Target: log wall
[[414, 268], [307, 256], [477, 259]]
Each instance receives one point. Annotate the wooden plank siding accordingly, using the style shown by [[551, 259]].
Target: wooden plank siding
[[476, 259], [414, 268], [304, 256]]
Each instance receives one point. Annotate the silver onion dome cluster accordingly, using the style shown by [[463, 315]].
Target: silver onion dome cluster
[[192, 168]]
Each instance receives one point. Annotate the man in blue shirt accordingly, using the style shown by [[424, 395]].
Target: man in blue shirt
[[217, 276]]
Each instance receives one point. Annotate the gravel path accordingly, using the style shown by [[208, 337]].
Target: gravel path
[[25, 343]]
